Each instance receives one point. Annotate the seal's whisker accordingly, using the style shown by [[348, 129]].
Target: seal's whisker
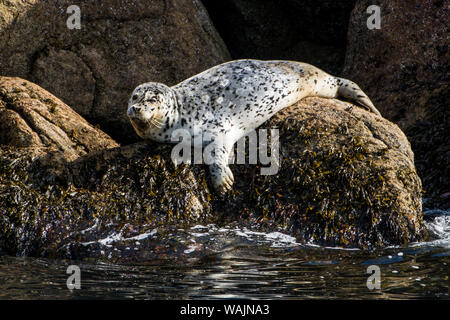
[[156, 123]]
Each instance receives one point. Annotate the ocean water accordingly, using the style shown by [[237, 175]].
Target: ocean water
[[234, 262]]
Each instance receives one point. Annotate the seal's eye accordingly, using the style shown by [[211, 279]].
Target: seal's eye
[[152, 100], [134, 97]]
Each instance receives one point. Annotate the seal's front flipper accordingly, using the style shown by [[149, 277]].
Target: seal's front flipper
[[216, 155], [222, 177], [351, 91]]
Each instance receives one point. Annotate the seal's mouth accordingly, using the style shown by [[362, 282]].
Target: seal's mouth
[[139, 123], [142, 120]]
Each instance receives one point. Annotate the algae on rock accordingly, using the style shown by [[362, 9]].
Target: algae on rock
[[347, 178]]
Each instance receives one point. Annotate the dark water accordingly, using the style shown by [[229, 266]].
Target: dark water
[[238, 263]]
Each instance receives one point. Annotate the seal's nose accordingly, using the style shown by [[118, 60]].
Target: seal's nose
[[133, 110]]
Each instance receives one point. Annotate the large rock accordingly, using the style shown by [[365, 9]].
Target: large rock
[[346, 178], [44, 128], [33, 117], [310, 31], [121, 44], [403, 67], [59, 174], [351, 173]]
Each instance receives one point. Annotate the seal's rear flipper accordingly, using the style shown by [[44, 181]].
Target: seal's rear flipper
[[351, 91]]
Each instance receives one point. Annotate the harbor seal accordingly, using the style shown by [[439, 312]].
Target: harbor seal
[[228, 101]]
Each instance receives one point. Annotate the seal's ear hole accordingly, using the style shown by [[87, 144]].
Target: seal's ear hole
[[135, 96]]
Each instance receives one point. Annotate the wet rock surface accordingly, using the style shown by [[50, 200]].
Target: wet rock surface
[[346, 178], [70, 176], [120, 45]]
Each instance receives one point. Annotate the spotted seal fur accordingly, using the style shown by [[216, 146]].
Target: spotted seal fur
[[229, 100]]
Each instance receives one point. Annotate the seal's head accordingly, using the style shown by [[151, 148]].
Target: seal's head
[[149, 108]]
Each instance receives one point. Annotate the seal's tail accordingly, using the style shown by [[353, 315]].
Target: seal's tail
[[351, 91]]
